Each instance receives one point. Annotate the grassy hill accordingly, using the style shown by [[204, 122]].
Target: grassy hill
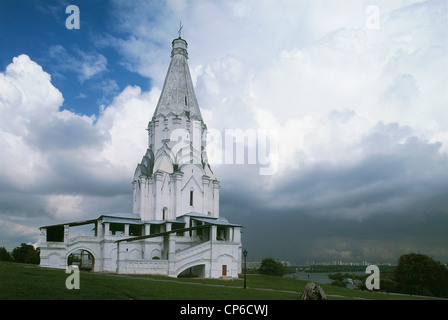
[[30, 282]]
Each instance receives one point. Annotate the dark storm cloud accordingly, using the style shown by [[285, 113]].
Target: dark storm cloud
[[16, 202], [392, 201], [300, 237], [67, 146], [79, 176]]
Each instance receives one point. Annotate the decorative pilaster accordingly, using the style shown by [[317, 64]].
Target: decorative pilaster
[[142, 192], [216, 198], [158, 176], [177, 196], [205, 194], [134, 197]]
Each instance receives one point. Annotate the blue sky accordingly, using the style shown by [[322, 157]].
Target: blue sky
[[360, 112], [60, 51]]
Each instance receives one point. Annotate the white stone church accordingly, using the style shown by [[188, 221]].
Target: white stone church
[[174, 228]]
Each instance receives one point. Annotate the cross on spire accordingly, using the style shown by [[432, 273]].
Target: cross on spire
[[180, 29]]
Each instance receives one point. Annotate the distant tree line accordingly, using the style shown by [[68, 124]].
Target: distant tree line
[[415, 274], [25, 254]]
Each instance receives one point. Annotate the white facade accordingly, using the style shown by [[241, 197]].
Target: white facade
[[175, 228]]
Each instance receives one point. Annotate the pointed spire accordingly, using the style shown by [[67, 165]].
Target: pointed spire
[[178, 94]]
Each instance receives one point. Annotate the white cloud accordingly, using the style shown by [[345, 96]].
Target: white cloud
[[124, 121], [61, 161], [26, 93], [65, 207], [86, 65]]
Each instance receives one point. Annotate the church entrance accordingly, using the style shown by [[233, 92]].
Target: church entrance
[[81, 258]]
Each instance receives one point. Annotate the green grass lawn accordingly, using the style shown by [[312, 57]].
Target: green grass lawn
[[30, 282]]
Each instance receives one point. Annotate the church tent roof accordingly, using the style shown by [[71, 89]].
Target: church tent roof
[[178, 92]]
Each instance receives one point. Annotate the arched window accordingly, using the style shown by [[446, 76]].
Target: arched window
[[191, 197], [164, 212]]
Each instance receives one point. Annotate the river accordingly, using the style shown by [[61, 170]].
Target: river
[[318, 277]]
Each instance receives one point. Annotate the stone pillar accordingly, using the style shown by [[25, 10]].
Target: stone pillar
[[43, 235], [237, 234], [106, 229], [126, 229], [213, 233], [193, 224], [171, 255], [66, 232], [99, 229], [187, 225]]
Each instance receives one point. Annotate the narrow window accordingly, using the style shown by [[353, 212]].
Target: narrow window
[[191, 198], [186, 101]]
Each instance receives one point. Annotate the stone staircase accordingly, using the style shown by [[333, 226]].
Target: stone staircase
[[189, 257]]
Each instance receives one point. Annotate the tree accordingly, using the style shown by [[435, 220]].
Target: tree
[[339, 283], [26, 254], [272, 267], [4, 254], [420, 274]]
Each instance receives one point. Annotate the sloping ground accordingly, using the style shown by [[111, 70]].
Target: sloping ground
[[25, 282]]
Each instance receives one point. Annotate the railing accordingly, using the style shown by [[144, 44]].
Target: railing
[[54, 244], [83, 238], [189, 252], [140, 266], [138, 263]]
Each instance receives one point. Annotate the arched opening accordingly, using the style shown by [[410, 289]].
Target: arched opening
[[81, 258], [197, 271]]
